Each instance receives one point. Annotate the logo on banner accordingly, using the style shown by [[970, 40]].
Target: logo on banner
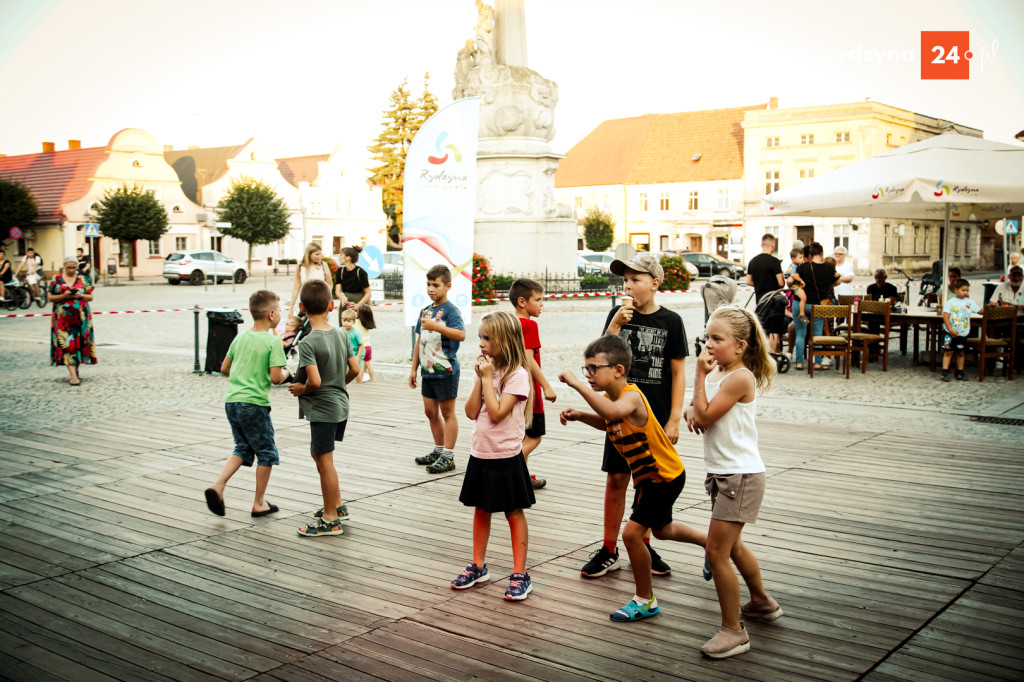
[[439, 145], [943, 189]]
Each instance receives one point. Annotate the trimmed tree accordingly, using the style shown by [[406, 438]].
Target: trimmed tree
[[18, 208], [129, 214], [257, 215], [598, 229], [402, 119]]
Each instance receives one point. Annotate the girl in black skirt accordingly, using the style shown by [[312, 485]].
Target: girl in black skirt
[[497, 479]]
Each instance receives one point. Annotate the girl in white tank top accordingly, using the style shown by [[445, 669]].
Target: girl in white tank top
[[734, 367]]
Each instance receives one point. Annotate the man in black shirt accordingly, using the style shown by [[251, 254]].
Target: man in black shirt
[[882, 290], [764, 273]]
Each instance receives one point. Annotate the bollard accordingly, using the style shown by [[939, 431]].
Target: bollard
[[195, 367]]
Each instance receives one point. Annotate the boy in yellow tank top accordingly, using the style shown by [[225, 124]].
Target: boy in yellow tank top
[[658, 472]]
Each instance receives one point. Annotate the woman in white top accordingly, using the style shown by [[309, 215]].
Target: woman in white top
[[311, 267]]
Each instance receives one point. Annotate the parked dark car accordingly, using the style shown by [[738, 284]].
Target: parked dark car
[[709, 264]]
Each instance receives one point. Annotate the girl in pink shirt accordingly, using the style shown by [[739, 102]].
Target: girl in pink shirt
[[497, 479]]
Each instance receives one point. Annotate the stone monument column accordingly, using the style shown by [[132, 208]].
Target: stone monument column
[[519, 227]]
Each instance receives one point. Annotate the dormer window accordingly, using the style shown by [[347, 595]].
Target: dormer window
[[176, 209], [136, 164]]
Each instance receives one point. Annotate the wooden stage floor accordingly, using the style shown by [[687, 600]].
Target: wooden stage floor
[[894, 558]]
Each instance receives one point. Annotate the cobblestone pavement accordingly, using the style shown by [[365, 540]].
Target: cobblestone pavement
[[146, 363]]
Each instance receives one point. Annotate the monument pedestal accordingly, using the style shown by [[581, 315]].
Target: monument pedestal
[[519, 227]]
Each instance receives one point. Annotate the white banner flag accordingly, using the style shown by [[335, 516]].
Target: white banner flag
[[439, 204]]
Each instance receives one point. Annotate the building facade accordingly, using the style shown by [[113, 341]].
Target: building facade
[[782, 147]]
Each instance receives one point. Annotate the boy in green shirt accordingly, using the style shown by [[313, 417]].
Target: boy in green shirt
[[326, 364], [255, 358]]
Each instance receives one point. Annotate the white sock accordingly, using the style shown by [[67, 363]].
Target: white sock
[[641, 601], [438, 449], [448, 454]]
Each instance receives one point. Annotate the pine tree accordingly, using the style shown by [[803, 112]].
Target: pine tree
[[130, 214], [401, 120]]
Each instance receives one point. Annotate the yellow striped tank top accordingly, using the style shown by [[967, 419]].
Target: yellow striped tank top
[[648, 451]]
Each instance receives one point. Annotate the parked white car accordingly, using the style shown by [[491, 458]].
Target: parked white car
[[198, 265], [603, 259], [393, 263]]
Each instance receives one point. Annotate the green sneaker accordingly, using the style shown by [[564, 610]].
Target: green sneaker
[[428, 459], [343, 514], [441, 466]]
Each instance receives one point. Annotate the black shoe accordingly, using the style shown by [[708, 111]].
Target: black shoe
[[441, 465], [600, 563], [960, 376], [945, 375], [658, 565], [428, 459]]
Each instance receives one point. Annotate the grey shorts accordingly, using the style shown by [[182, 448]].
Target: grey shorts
[[735, 497]]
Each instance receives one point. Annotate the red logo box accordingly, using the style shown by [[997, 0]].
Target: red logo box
[[945, 55]]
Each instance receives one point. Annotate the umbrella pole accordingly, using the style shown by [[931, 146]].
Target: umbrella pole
[[945, 263]]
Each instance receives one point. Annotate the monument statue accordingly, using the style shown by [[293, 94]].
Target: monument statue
[[519, 225], [515, 100]]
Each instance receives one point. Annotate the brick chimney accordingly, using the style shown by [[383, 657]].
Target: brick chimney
[[74, 144], [773, 103], [49, 147]]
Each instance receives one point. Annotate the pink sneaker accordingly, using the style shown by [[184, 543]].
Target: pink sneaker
[[727, 643], [767, 610]]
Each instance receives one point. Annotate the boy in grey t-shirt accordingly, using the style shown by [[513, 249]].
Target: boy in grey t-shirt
[[326, 365]]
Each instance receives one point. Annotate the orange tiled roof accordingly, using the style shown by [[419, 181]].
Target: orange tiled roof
[[657, 148], [54, 178], [298, 169]]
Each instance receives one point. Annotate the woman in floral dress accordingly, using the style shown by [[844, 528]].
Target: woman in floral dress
[[71, 334]]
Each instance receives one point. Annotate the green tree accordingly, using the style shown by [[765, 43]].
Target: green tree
[[18, 208], [598, 229], [401, 120], [257, 215], [130, 214]]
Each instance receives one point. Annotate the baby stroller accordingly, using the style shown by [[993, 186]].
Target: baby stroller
[[291, 349], [718, 291], [771, 311]]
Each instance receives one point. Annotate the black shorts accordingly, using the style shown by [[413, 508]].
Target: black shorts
[[778, 324], [653, 502], [954, 343], [323, 435], [536, 429], [613, 462], [440, 388]]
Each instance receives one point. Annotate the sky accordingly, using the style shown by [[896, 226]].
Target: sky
[[303, 76]]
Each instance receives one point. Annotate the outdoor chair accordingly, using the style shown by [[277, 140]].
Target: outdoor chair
[[846, 299], [837, 346], [872, 345], [997, 339]]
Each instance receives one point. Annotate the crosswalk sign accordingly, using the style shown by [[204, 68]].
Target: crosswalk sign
[[92, 230], [1012, 227]]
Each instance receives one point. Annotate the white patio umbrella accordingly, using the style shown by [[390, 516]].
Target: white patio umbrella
[[950, 175]]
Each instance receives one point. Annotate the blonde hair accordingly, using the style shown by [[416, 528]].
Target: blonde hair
[[294, 321], [311, 248], [506, 335], [743, 325], [349, 314]]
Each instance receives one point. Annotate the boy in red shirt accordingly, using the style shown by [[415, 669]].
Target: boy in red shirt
[[527, 297]]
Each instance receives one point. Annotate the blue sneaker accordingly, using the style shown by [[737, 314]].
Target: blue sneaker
[[519, 587], [707, 569], [633, 611], [471, 576]]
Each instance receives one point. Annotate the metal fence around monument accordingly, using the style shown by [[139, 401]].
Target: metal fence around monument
[[553, 283]]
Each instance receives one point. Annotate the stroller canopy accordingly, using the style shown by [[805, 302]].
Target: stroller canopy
[[717, 292]]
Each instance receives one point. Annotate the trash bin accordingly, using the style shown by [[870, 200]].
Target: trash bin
[[990, 288], [221, 331]]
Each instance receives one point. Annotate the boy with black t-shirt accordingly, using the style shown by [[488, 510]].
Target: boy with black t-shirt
[[657, 339]]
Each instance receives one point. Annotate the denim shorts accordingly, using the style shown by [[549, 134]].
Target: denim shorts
[[440, 388], [253, 433], [323, 436]]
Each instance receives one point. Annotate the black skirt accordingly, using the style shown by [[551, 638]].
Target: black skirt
[[497, 485]]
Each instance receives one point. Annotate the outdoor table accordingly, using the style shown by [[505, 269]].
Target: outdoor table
[[931, 319]]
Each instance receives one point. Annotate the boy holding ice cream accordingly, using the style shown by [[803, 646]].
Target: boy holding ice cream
[[657, 339]]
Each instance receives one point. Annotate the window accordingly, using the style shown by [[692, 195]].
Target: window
[[807, 139], [577, 202], [956, 242], [176, 209], [888, 138], [885, 240], [842, 137], [693, 202], [663, 202], [917, 238], [771, 142], [643, 201], [773, 231], [663, 241], [180, 243], [841, 236], [723, 199], [136, 164], [154, 247], [606, 201], [771, 181], [806, 173], [967, 242], [153, 192]]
